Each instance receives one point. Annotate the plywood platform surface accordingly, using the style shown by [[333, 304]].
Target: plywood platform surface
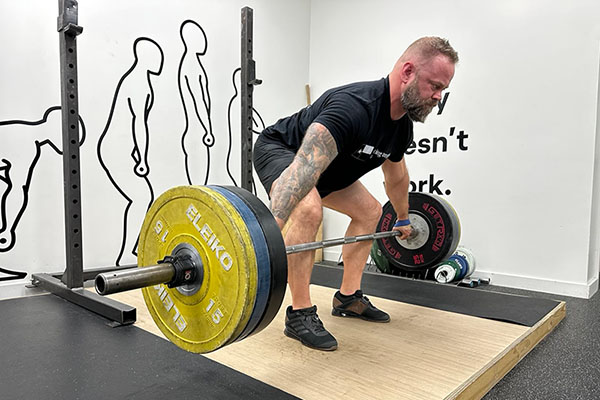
[[423, 353]]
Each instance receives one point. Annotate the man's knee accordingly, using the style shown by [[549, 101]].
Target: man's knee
[[371, 212], [309, 214]]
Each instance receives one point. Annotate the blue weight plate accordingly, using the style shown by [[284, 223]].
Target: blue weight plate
[[464, 266], [277, 253], [262, 260], [468, 255]]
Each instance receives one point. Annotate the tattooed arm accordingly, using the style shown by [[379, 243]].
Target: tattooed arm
[[317, 151]]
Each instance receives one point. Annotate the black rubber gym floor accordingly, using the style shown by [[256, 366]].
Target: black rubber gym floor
[[566, 364], [54, 349]]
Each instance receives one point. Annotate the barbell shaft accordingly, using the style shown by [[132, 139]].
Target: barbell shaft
[[297, 248], [137, 278]]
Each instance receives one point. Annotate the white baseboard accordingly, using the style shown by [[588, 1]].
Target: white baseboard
[[331, 255], [563, 288]]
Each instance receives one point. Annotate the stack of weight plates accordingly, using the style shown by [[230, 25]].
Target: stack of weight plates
[[235, 240], [458, 266]]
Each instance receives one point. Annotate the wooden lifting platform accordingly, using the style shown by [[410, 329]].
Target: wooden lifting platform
[[443, 342]]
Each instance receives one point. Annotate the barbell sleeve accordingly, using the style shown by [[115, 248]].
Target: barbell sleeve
[[134, 278]]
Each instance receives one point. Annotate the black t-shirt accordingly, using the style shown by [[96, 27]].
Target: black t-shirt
[[358, 117]]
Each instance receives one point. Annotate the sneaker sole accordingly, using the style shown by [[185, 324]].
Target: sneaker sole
[[350, 314], [293, 336]]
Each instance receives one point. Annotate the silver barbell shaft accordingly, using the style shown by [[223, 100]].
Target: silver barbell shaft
[[297, 248]]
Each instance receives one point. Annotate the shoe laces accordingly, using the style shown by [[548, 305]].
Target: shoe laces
[[361, 297], [311, 316], [317, 323], [359, 294]]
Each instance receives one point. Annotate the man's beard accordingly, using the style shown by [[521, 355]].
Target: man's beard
[[417, 108]]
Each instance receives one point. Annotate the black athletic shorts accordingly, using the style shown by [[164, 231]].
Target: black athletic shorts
[[270, 159]]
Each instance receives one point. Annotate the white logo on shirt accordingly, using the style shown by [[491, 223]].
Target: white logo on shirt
[[370, 151]]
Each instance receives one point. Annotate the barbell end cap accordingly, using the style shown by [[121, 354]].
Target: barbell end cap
[[100, 285]]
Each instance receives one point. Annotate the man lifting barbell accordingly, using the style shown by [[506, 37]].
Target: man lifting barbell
[[315, 157], [212, 262]]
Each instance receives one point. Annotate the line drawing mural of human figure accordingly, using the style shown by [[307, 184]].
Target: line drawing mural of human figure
[[17, 165], [257, 121], [192, 80], [123, 145]]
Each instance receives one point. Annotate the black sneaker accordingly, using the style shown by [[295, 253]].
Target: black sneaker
[[304, 325], [357, 306]]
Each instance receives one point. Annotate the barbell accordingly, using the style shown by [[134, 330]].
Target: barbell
[[185, 267], [213, 263]]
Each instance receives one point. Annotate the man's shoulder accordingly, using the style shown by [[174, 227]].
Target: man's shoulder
[[356, 96], [361, 90]]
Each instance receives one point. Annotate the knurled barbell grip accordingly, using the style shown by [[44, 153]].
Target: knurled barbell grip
[[297, 248]]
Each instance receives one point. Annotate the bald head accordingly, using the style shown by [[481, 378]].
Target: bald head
[[420, 75]]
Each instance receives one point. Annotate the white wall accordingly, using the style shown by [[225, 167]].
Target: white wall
[[29, 84], [525, 93]]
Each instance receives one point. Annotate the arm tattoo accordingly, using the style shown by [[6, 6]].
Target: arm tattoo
[[317, 151]]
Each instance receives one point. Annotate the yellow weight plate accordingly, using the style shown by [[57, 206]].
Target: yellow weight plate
[[216, 312]]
